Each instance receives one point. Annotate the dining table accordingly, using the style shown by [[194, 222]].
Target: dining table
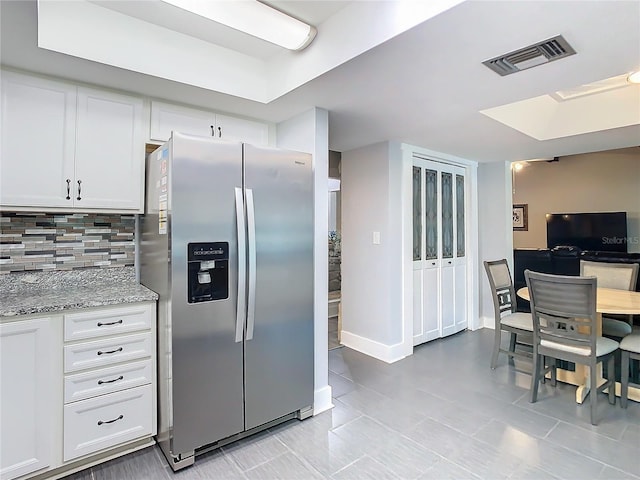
[[608, 301]]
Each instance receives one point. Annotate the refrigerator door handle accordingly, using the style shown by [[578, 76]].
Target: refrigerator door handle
[[242, 268], [251, 234]]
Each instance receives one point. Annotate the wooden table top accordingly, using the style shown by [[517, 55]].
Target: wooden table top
[[608, 300]]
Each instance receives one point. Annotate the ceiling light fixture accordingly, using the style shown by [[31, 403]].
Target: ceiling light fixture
[[634, 77], [254, 18]]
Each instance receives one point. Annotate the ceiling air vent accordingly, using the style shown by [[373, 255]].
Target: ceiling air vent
[[544, 52]]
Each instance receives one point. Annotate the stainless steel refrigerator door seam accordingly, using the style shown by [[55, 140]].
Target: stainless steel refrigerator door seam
[[251, 234], [242, 246]]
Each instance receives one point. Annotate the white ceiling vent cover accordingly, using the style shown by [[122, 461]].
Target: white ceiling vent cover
[[544, 52]]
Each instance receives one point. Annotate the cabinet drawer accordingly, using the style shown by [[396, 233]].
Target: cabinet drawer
[[103, 422], [106, 352], [99, 323], [81, 386]]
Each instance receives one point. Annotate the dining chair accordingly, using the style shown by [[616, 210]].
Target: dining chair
[[630, 349], [565, 326], [621, 276], [504, 307]]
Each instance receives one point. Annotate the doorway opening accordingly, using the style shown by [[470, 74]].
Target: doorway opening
[[335, 252]]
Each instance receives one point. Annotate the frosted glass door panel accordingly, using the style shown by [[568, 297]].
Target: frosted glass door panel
[[447, 215], [431, 214], [460, 231], [417, 213]]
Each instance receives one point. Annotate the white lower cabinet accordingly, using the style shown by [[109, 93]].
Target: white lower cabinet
[[107, 380], [107, 351], [107, 421], [69, 404], [28, 377]]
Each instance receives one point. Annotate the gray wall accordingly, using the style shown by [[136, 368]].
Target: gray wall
[[495, 238]]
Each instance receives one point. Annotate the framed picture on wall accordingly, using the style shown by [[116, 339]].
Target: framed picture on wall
[[520, 217]]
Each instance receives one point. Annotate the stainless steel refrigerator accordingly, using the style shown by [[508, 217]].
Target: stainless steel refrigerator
[[227, 243]]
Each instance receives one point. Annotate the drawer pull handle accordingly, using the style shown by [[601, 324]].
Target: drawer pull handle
[[100, 352], [100, 382], [100, 324], [100, 422]]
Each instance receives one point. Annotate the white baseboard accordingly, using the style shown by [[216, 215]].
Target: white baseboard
[[322, 400], [386, 353], [488, 322]]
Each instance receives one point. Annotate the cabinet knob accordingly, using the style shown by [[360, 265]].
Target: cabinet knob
[[79, 190], [68, 189]]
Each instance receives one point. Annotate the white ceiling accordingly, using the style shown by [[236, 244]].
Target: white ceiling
[[425, 86]]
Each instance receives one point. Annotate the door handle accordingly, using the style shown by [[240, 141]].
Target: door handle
[[242, 264], [68, 189], [251, 239], [79, 190], [219, 132]]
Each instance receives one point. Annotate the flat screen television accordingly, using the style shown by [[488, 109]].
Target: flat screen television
[[605, 231]]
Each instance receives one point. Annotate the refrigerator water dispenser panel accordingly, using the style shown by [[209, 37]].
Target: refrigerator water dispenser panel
[[208, 271]]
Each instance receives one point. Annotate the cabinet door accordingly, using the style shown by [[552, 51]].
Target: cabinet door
[[25, 397], [38, 137], [109, 151], [166, 118], [240, 130]]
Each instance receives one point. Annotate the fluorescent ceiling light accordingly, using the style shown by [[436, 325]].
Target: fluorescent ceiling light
[[254, 18], [634, 77]]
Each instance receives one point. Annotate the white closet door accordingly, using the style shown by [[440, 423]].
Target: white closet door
[[439, 250]]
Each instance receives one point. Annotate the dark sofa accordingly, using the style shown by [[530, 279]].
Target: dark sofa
[[560, 261]]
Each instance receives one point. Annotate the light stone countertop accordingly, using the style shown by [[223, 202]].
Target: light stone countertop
[[44, 292]]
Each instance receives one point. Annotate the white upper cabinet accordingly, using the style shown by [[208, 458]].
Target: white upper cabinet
[[237, 129], [70, 148], [166, 117], [109, 151], [38, 141]]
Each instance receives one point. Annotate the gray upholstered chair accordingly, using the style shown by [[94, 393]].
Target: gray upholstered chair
[[621, 276], [506, 317], [565, 324], [630, 348]]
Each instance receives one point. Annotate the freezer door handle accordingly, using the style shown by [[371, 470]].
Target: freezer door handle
[[242, 281], [251, 234]]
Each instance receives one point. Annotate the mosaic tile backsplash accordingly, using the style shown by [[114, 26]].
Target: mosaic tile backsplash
[[50, 241]]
